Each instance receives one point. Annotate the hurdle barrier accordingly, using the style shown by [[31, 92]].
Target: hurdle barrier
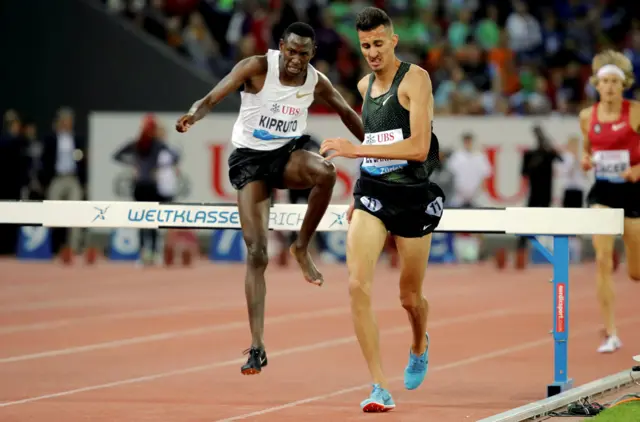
[[559, 223]]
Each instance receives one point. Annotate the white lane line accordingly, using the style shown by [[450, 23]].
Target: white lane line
[[175, 309], [153, 337], [285, 352], [168, 335], [452, 365], [140, 313]]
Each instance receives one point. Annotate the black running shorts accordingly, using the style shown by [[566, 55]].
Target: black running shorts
[[248, 165], [405, 210], [616, 195]]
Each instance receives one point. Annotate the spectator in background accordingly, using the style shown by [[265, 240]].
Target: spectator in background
[[470, 169], [144, 155], [460, 29], [199, 43], [63, 171], [443, 177], [33, 188], [502, 62], [532, 99], [153, 19], [11, 167], [524, 31], [571, 173], [167, 173], [328, 41], [537, 168], [574, 182], [239, 27], [452, 8], [504, 47], [487, 31], [553, 40], [456, 95], [571, 91]]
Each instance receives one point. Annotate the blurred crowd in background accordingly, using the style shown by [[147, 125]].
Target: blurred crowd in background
[[484, 56]]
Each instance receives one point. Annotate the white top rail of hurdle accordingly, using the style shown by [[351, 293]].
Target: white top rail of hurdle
[[288, 217]]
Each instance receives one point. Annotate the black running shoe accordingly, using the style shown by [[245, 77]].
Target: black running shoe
[[257, 360]]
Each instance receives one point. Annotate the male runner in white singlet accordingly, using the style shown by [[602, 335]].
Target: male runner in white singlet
[[269, 137]]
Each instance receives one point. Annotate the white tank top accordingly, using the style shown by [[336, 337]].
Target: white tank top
[[277, 114]]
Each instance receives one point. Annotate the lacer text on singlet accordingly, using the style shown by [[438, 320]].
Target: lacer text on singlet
[[609, 165]]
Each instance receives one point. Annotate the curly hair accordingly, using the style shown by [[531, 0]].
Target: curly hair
[[611, 57]]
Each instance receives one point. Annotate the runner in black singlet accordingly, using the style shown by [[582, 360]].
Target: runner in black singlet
[[393, 195], [397, 191]]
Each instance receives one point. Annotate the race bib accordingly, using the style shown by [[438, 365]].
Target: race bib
[[379, 166], [280, 121], [609, 165]]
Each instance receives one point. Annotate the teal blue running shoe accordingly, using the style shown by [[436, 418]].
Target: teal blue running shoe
[[379, 401], [416, 370]]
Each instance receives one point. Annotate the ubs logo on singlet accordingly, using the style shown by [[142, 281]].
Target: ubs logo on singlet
[[387, 137], [379, 166], [286, 110]]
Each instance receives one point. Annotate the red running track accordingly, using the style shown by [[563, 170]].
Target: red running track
[[115, 343]]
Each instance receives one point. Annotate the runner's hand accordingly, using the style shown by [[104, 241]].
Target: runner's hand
[[341, 147], [587, 162], [632, 174], [184, 123]]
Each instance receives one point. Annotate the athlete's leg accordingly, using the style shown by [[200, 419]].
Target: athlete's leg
[[414, 256], [603, 245], [365, 240], [632, 247], [253, 206], [306, 170]]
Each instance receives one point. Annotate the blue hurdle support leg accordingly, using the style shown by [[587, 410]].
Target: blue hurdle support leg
[[559, 258]]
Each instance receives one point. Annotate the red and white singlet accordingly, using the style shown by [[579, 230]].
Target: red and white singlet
[[615, 145]]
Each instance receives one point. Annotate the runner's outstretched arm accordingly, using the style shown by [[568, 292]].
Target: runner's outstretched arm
[[243, 71]]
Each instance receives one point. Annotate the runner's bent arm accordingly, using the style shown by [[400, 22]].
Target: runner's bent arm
[[634, 116], [633, 174], [241, 72], [327, 93], [417, 85], [585, 117]]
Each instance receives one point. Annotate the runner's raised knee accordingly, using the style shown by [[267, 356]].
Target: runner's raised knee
[[326, 173]]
